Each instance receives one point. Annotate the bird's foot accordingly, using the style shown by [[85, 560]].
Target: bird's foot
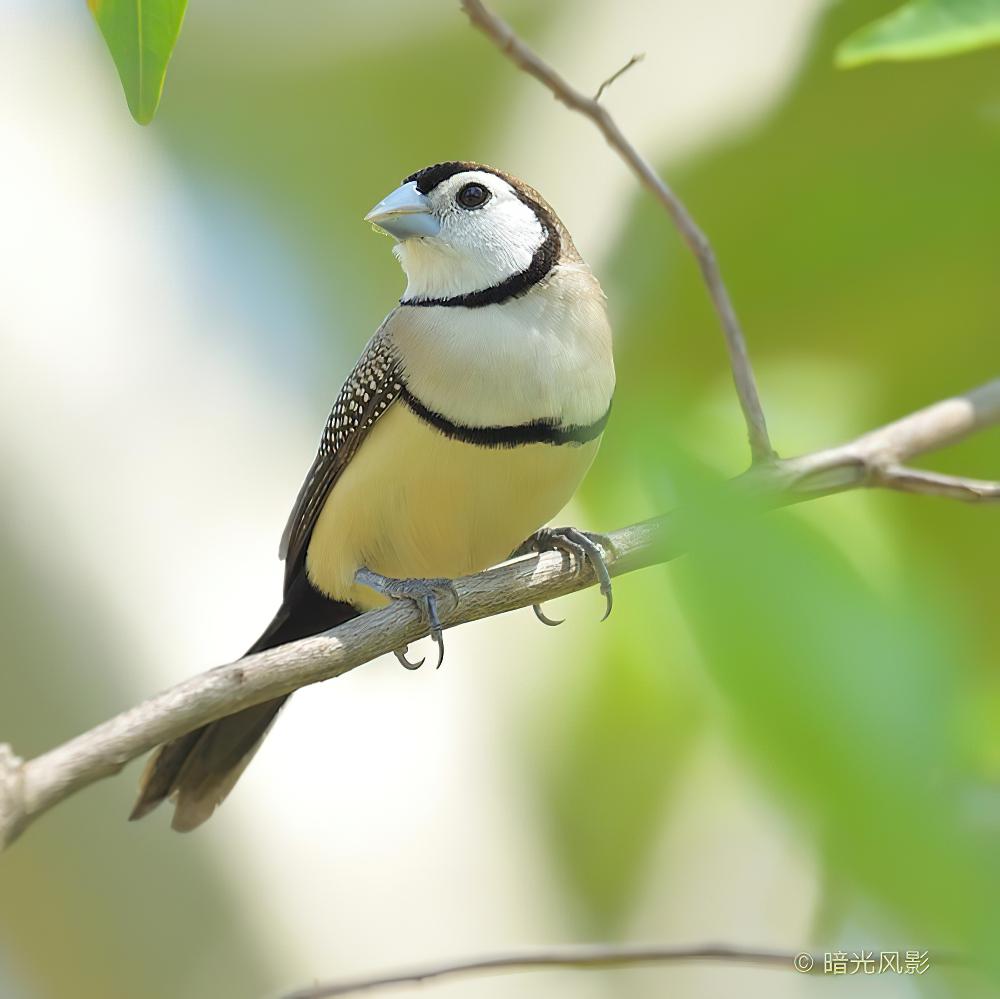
[[583, 546], [425, 593]]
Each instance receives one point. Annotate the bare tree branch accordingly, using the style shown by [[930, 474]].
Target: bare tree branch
[[27, 789], [580, 957], [502, 35], [915, 480], [638, 57]]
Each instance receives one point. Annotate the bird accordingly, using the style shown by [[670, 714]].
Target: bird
[[467, 424]]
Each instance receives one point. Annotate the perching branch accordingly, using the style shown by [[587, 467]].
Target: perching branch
[[27, 789], [585, 957], [502, 35]]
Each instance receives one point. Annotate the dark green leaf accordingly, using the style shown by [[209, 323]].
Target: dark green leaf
[[141, 35]]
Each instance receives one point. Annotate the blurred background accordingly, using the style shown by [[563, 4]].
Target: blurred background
[[787, 741]]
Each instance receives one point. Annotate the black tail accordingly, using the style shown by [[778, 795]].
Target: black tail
[[199, 769]]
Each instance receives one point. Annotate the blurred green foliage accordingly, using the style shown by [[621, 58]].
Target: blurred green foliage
[[857, 230], [605, 778], [924, 29], [850, 700], [140, 35]]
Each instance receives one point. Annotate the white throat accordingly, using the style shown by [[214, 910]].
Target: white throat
[[474, 251], [435, 270]]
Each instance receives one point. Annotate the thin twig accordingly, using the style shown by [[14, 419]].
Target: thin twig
[[916, 480], [503, 36], [638, 57], [581, 957], [27, 789]]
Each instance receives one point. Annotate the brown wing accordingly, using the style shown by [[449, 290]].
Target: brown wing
[[372, 387]]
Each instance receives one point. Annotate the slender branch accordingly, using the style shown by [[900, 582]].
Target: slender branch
[[580, 957], [915, 480], [27, 789], [503, 36], [638, 57]]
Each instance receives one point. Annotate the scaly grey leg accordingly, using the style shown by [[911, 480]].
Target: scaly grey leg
[[425, 593], [583, 546]]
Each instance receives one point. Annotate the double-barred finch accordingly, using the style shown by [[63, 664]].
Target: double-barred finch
[[470, 419]]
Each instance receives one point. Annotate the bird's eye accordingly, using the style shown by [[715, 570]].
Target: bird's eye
[[473, 196]]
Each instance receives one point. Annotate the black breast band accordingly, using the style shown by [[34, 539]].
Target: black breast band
[[542, 261], [536, 432]]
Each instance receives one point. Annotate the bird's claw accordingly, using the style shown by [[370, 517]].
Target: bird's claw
[[541, 615], [584, 547], [400, 654], [425, 593]]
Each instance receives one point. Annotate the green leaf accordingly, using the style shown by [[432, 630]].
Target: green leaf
[[849, 698], [924, 29], [141, 35]]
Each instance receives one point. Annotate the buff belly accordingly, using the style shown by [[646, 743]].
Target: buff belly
[[413, 503]]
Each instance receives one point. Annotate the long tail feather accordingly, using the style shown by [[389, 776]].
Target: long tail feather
[[200, 768]]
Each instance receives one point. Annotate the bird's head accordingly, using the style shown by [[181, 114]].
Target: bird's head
[[465, 229]]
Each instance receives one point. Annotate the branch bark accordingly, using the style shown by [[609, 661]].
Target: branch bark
[[581, 957], [503, 36], [27, 789]]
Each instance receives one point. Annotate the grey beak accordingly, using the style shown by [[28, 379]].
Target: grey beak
[[405, 213]]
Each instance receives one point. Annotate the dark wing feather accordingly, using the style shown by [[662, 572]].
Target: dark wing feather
[[372, 387], [200, 768]]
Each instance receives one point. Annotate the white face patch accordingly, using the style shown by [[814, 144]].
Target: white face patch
[[477, 247]]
